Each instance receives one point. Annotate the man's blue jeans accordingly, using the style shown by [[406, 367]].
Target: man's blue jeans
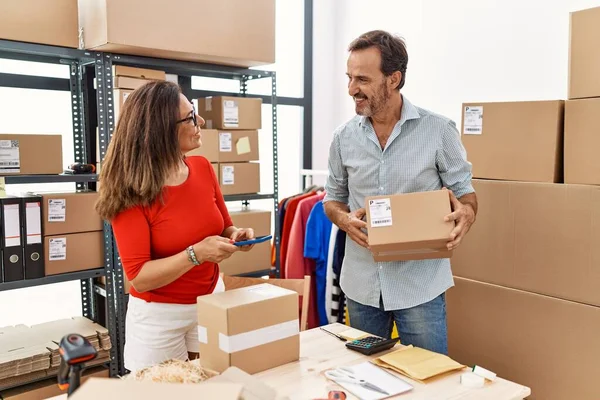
[[422, 326]]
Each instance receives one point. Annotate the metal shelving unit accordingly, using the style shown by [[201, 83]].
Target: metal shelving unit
[[106, 123], [78, 84]]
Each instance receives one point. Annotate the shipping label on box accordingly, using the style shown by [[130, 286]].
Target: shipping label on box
[[253, 328], [240, 178], [70, 212], [409, 226], [30, 154]]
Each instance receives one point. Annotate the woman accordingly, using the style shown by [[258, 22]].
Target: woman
[[169, 220]]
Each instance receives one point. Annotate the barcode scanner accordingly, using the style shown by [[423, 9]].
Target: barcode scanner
[[75, 351]]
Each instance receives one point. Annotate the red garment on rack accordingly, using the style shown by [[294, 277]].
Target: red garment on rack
[[296, 265], [290, 213]]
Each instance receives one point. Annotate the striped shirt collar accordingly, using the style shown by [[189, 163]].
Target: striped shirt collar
[[409, 111]]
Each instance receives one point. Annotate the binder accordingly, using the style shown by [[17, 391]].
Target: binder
[[33, 247], [12, 243]]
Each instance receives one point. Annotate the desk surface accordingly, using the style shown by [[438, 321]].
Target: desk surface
[[319, 352]]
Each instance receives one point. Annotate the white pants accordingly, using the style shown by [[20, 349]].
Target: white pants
[[156, 332]]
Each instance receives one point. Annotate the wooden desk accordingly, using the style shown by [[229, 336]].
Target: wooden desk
[[304, 380]]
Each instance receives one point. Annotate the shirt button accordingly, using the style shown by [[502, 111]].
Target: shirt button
[[380, 267], [382, 161], [381, 188]]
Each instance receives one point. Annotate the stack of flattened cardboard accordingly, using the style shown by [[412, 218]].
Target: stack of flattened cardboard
[[528, 273], [32, 353]]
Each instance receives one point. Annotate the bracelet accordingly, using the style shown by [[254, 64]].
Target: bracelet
[[192, 255]]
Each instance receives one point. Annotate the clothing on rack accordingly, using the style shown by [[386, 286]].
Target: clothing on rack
[[316, 246], [339, 299], [329, 290]]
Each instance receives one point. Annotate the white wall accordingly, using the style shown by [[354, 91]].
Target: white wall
[[460, 50]]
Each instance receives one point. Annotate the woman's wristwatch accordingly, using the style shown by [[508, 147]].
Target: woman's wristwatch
[[192, 255]]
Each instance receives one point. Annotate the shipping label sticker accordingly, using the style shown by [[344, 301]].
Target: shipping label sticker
[[381, 213], [230, 114], [228, 175], [58, 249], [208, 104], [225, 142], [57, 210], [10, 161], [473, 120]]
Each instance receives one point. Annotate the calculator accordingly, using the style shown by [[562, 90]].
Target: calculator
[[371, 344]]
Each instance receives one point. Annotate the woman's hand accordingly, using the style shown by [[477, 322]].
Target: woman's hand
[[243, 234], [214, 249]]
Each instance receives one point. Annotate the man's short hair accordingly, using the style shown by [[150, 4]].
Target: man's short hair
[[394, 56]]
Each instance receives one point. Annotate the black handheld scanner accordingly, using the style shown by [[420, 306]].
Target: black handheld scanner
[[75, 351]]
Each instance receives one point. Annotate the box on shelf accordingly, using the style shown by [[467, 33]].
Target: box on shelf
[[409, 226], [519, 336], [584, 54], [229, 112], [518, 141], [71, 212], [39, 21], [239, 178], [126, 82], [119, 96], [228, 146], [233, 32], [582, 141], [257, 259], [538, 237], [142, 73], [30, 154], [73, 252], [253, 328]]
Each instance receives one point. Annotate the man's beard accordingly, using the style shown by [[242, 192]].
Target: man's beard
[[374, 104]]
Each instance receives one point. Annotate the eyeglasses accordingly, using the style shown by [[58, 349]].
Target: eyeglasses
[[192, 118]]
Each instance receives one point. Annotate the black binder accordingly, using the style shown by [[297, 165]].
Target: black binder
[[12, 241], [31, 209]]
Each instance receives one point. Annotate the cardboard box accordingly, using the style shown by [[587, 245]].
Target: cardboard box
[[582, 141], [119, 97], [253, 328], [584, 54], [25, 154], [126, 82], [40, 21], [257, 259], [142, 73], [70, 213], [73, 252], [409, 226], [228, 146], [232, 32], [239, 178], [547, 344], [49, 388], [227, 112], [519, 141], [537, 237]]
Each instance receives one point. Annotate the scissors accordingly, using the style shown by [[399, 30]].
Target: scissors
[[343, 374]]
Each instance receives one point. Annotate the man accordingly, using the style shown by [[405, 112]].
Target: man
[[391, 147]]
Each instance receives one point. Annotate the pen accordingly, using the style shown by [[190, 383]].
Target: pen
[[334, 334]]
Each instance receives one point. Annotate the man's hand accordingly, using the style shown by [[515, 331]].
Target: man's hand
[[352, 225], [464, 216]]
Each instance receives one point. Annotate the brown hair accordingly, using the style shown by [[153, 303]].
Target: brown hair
[[394, 56], [144, 149]]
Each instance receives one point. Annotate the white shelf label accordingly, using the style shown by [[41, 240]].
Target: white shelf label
[[228, 175], [57, 210], [473, 120], [225, 142], [34, 222], [381, 213], [10, 161], [58, 249], [230, 114], [12, 225]]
